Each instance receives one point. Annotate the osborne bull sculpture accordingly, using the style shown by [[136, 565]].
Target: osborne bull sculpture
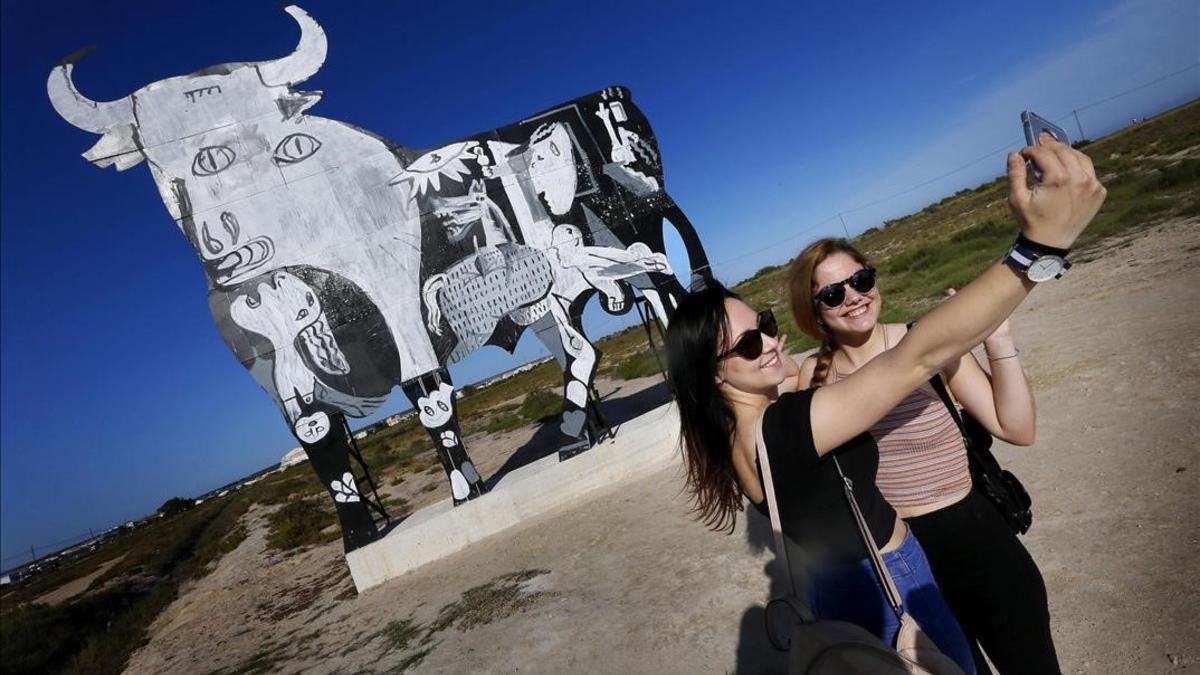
[[340, 264]]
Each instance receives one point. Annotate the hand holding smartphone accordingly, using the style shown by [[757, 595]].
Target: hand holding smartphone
[[1034, 125]]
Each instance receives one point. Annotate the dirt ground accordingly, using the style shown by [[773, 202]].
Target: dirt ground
[[76, 586], [628, 583]]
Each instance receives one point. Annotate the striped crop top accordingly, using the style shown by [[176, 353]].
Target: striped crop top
[[922, 459]]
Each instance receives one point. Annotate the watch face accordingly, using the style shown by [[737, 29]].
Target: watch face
[[1045, 268]]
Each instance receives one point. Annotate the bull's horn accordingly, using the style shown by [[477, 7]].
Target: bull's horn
[[305, 61], [94, 116]]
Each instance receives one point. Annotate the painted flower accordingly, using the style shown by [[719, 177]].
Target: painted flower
[[344, 490]]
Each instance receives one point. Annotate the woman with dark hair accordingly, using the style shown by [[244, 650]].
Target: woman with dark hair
[[730, 376]]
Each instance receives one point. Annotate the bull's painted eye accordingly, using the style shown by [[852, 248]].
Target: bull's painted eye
[[212, 159], [295, 148]]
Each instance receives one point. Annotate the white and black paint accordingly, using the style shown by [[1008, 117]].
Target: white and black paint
[[340, 264]]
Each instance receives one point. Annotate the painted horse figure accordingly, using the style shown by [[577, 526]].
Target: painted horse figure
[[340, 264]]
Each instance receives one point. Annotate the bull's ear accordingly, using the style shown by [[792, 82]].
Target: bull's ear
[[294, 103], [117, 147]]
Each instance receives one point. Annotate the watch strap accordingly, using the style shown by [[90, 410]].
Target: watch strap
[[1041, 249], [1021, 258]]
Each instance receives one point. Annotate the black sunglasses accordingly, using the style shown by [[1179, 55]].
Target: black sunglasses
[[750, 345], [834, 295]]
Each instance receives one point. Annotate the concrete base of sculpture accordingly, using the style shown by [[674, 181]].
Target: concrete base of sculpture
[[641, 445]]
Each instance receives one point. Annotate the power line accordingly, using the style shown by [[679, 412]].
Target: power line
[[1004, 148], [1139, 87]]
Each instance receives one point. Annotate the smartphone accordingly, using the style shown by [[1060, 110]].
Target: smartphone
[[1034, 125]]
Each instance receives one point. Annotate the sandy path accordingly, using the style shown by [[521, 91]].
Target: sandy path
[[76, 586], [633, 585]]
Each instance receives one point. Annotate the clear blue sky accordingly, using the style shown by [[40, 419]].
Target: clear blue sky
[[117, 392]]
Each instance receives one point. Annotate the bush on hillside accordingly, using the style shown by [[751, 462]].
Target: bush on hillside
[[541, 406], [299, 523]]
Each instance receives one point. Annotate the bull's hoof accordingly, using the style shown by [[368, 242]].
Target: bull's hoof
[[572, 423], [571, 449], [476, 492]]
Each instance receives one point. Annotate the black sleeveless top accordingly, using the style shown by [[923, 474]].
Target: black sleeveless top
[[812, 506]]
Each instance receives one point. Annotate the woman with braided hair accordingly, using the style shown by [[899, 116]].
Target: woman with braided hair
[[988, 578], [734, 386]]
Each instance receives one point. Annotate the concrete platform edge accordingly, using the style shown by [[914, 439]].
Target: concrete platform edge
[[642, 445]]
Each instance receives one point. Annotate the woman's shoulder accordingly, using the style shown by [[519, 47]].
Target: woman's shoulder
[[807, 365], [894, 332], [786, 413], [787, 430]]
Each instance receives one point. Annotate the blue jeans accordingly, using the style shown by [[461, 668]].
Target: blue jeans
[[851, 592]]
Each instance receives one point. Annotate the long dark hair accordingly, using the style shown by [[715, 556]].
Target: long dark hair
[[699, 330]]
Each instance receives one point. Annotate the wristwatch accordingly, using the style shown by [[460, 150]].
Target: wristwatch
[[1038, 262]]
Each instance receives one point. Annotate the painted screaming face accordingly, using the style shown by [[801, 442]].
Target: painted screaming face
[[278, 309], [753, 375], [859, 312], [282, 309], [552, 168]]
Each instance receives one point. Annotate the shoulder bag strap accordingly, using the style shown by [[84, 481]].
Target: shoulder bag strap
[[772, 506], [881, 570], [939, 385]]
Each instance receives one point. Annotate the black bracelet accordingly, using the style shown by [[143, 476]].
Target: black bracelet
[[1041, 249]]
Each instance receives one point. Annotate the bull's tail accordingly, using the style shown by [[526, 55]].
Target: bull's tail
[[429, 293]]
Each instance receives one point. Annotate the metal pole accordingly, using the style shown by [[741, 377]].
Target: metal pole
[[1076, 114], [844, 226]]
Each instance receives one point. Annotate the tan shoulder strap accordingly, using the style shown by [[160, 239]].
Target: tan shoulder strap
[[881, 570]]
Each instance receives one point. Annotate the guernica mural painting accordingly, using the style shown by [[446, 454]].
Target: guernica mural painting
[[341, 264]]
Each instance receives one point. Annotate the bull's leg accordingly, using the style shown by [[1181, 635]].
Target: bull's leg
[[656, 301], [663, 291], [578, 358], [323, 436], [432, 396]]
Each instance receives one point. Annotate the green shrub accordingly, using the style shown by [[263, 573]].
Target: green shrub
[[176, 505], [541, 406], [96, 632], [299, 523], [640, 364], [502, 421], [1180, 173]]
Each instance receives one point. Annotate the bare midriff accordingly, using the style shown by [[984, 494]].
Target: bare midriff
[[914, 511]]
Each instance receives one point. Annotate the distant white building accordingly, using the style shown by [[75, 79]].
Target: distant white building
[[292, 458], [361, 435], [500, 377]]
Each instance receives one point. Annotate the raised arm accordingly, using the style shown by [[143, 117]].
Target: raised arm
[[1053, 213], [1001, 401]]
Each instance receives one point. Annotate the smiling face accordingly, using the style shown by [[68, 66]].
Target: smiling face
[[859, 312], [760, 375]]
